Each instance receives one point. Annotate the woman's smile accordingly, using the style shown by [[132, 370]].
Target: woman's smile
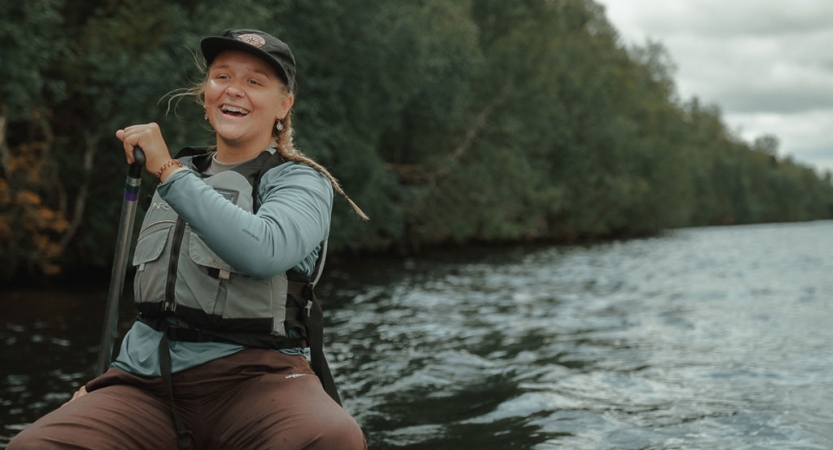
[[234, 111]]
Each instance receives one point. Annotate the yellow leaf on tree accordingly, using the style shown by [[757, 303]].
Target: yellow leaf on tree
[[27, 198]]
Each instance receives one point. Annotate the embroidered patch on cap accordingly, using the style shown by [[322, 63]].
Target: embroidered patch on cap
[[252, 39]]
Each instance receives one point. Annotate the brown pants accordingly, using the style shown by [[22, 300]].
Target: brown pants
[[255, 399]]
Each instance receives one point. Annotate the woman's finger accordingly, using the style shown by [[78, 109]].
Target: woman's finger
[[79, 393]]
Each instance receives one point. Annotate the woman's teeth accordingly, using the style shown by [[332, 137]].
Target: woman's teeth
[[234, 110]]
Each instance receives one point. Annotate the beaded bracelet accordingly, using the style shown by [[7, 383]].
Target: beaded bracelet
[[166, 166]]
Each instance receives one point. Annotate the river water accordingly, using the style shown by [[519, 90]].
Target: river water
[[708, 338]]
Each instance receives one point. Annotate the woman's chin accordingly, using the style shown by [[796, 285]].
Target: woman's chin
[[242, 140], [230, 132]]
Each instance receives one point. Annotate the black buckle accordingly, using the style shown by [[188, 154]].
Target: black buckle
[[180, 333]]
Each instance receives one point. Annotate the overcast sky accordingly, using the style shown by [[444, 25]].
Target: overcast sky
[[768, 64]]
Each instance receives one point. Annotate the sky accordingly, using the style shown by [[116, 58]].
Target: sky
[[768, 64]]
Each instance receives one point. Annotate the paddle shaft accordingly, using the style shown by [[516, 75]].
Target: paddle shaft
[[119, 270]]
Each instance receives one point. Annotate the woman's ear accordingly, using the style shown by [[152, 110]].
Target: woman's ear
[[289, 100]]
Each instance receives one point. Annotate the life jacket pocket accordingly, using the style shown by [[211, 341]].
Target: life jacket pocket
[[201, 254], [246, 301], [150, 269]]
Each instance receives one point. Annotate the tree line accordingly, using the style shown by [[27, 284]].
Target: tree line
[[447, 122]]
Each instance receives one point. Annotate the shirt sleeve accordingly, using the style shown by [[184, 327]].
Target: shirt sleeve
[[293, 218]]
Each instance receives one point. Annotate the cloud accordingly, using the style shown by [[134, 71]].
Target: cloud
[[767, 64], [772, 74], [809, 143], [722, 18]]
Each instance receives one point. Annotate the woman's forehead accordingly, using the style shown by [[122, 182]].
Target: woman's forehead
[[242, 60]]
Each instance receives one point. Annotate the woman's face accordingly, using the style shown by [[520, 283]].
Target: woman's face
[[243, 98]]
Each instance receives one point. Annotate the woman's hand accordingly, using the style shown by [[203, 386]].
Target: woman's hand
[[149, 137], [79, 393]]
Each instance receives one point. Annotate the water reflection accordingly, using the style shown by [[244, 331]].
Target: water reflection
[[706, 338]]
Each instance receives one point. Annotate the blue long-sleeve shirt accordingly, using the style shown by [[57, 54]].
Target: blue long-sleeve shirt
[[292, 220]]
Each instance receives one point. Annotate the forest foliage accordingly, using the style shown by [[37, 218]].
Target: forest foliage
[[447, 122]]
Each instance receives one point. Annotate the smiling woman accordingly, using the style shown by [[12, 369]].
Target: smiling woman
[[243, 100], [226, 263]]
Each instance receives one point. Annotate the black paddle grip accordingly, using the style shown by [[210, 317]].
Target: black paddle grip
[[135, 170]]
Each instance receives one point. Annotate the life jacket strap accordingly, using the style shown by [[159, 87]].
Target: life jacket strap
[[184, 436], [315, 333], [182, 331]]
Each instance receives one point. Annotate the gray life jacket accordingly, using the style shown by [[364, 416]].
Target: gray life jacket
[[178, 275]]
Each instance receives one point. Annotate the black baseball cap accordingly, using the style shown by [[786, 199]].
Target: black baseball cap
[[269, 48]]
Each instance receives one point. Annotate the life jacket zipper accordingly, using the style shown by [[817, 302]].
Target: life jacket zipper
[[173, 264]]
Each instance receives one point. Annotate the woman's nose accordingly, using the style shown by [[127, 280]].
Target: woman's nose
[[233, 91]]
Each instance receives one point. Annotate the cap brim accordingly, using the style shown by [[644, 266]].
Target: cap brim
[[213, 46]]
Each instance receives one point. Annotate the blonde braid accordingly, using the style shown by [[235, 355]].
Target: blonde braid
[[286, 147]]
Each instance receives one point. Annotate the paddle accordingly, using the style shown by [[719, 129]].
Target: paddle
[[128, 214]]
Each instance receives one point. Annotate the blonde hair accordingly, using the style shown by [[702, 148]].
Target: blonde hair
[[282, 139], [286, 147]]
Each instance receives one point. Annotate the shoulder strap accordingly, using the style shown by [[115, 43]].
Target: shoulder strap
[[200, 156], [193, 151], [319, 264], [274, 159]]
